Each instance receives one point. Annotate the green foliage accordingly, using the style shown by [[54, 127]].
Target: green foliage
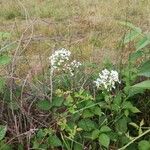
[[104, 140], [144, 145], [3, 130], [44, 105], [144, 69]]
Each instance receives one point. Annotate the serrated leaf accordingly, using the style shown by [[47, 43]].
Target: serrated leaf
[[87, 124], [105, 129], [95, 134], [144, 69], [44, 105], [104, 140], [144, 145], [3, 130], [4, 59], [143, 85], [54, 141]]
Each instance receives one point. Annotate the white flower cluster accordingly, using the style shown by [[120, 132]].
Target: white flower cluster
[[72, 66], [107, 79], [59, 57], [61, 60]]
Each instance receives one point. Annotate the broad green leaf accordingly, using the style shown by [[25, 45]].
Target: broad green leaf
[[133, 91], [143, 85], [144, 70], [57, 101], [95, 134], [4, 59], [131, 36], [54, 141], [3, 130], [104, 140], [144, 145], [44, 105], [143, 43], [87, 124], [105, 129]]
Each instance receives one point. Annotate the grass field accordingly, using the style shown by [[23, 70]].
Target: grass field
[[87, 27]]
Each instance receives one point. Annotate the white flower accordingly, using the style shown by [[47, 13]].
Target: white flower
[[60, 59], [107, 79]]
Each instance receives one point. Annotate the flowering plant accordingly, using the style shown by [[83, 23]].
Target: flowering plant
[[60, 59], [107, 79]]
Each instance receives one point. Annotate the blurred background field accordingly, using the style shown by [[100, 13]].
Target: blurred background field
[[89, 28]]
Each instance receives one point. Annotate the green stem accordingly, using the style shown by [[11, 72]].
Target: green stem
[[122, 148]]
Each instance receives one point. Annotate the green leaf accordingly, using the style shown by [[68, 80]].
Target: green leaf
[[144, 70], [4, 60], [121, 125], [104, 140], [97, 110], [143, 85], [133, 91], [87, 113], [54, 141], [142, 43], [95, 134], [44, 105], [57, 101], [135, 55], [78, 146], [87, 124], [128, 105], [105, 129], [131, 36], [144, 145], [3, 130], [134, 109], [134, 125]]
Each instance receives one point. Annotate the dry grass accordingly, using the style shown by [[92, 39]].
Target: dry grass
[[89, 28]]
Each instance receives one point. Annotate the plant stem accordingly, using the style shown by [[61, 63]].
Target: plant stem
[[122, 148]]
